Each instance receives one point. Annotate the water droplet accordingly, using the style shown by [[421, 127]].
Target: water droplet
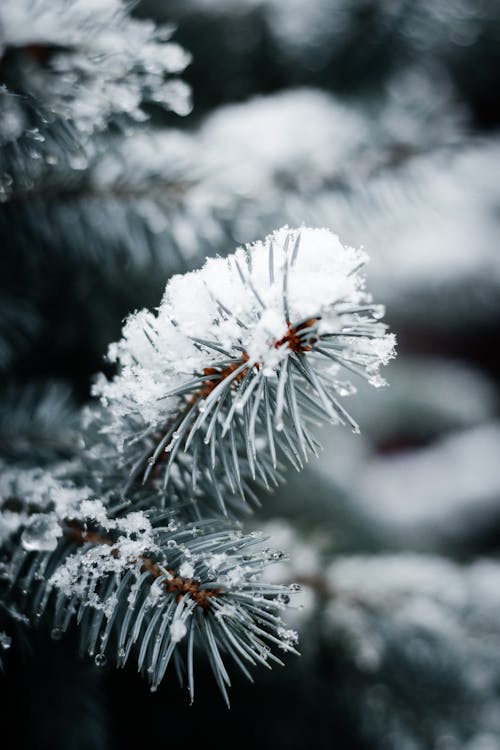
[[277, 555], [100, 660], [294, 587], [78, 162], [56, 634], [153, 688], [171, 543], [42, 533], [345, 388], [5, 641], [176, 435], [35, 135], [151, 460], [378, 311], [202, 406]]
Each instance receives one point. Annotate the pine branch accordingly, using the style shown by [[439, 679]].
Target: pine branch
[[265, 334], [141, 193], [407, 643], [68, 70], [242, 358], [150, 585]]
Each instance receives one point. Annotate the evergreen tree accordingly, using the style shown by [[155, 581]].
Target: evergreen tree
[[152, 516]]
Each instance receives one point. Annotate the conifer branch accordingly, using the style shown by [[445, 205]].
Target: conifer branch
[[241, 360], [213, 395], [150, 586]]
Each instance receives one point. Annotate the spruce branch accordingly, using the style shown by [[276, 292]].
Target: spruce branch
[[69, 69], [148, 584], [243, 357], [213, 394], [98, 60]]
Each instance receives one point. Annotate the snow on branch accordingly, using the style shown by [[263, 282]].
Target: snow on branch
[[143, 583], [242, 357], [71, 68], [87, 60]]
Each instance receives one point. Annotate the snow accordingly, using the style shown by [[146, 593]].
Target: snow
[[48, 501], [214, 562], [45, 497], [289, 638], [429, 223], [186, 569], [235, 576], [426, 607], [157, 354], [105, 63], [458, 475], [85, 565], [301, 137], [428, 396], [178, 630], [437, 494]]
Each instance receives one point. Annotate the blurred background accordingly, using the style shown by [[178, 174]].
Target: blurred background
[[379, 120]]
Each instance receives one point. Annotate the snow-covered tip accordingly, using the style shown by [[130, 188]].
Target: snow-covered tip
[[244, 355]]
